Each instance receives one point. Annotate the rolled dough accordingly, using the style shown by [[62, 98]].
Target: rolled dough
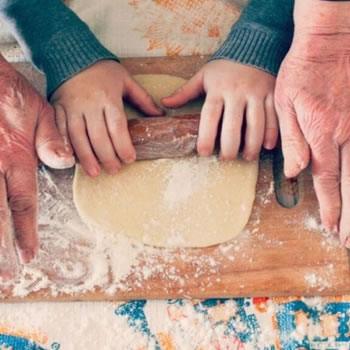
[[192, 202]]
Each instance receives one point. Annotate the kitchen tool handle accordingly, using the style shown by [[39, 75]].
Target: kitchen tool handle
[[164, 137]]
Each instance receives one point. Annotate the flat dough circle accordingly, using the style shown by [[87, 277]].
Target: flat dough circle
[[192, 202]]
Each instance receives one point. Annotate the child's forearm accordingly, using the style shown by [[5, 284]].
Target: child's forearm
[[262, 35], [53, 37]]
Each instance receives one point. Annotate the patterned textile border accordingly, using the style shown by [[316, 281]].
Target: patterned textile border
[[231, 324]]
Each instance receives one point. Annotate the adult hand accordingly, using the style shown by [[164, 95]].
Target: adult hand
[[90, 115], [234, 92], [313, 106], [27, 129]]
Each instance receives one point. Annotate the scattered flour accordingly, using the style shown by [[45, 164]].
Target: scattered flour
[[328, 240], [311, 223], [267, 197], [316, 281], [184, 180], [75, 259], [83, 257]]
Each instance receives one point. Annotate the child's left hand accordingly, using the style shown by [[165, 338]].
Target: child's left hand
[[233, 91]]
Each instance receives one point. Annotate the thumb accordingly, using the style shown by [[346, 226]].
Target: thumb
[[296, 151], [141, 98], [48, 142], [187, 92]]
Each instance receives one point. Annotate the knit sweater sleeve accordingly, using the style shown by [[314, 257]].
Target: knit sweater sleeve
[[262, 36], [53, 38]]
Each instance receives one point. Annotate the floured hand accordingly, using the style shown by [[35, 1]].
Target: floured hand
[[27, 129], [313, 105]]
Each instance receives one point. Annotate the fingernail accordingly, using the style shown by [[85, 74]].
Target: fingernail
[[94, 171], [66, 145], [204, 153], [224, 159], [332, 229], [113, 170], [248, 157], [130, 159], [27, 255], [62, 152], [268, 145], [160, 110]]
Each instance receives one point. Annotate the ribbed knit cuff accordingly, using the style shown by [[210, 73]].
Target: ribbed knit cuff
[[69, 53], [257, 48]]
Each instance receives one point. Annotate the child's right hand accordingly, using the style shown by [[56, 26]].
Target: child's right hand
[[233, 91]]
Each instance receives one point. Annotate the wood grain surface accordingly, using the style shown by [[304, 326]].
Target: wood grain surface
[[282, 252]]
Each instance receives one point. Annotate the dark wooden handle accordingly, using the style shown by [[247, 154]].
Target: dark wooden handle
[[164, 137]]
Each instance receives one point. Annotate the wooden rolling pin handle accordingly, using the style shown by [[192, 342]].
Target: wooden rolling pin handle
[[164, 137]]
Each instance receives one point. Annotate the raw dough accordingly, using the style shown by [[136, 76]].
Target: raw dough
[[159, 86], [192, 202]]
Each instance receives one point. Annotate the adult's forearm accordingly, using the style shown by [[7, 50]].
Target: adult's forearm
[[322, 17], [322, 29]]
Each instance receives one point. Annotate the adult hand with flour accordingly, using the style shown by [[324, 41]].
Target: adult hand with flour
[[313, 104], [27, 131]]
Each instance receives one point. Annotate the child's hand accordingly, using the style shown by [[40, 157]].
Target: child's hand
[[233, 91], [90, 115]]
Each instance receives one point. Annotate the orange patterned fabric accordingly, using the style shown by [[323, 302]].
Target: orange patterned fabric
[[184, 26]]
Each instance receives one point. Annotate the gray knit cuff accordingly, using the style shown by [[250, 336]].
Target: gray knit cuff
[[253, 47], [69, 53]]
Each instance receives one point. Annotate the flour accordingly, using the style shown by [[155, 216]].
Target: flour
[[321, 280], [328, 240], [185, 179], [83, 257], [55, 161], [316, 281], [312, 223], [268, 196], [75, 259]]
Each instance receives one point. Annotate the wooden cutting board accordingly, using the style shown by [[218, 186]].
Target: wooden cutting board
[[283, 251]]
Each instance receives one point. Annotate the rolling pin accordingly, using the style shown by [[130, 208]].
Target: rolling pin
[[172, 137], [164, 137]]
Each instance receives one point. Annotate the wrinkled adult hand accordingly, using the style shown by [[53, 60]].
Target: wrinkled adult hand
[[27, 129], [234, 92], [313, 106], [90, 115]]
